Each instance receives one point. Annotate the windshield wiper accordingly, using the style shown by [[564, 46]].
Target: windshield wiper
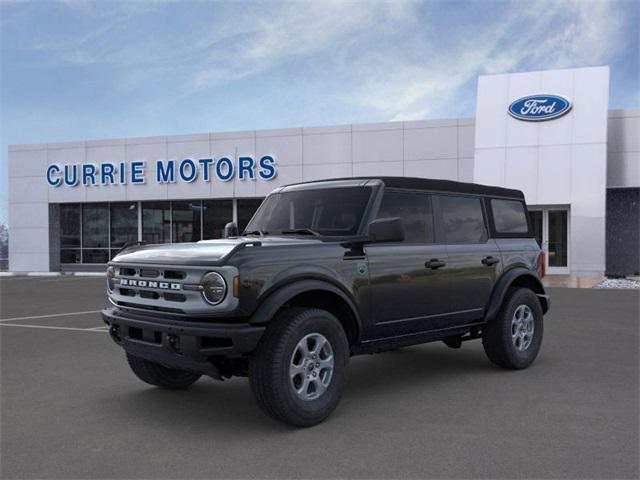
[[255, 232], [301, 231]]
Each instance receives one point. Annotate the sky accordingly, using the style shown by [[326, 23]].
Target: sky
[[76, 70]]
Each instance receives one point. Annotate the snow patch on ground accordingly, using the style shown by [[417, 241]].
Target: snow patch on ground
[[618, 283]]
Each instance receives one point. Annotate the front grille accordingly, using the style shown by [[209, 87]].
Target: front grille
[[154, 275], [171, 289]]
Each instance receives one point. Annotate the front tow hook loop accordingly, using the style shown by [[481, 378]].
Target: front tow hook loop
[[114, 331], [174, 343]]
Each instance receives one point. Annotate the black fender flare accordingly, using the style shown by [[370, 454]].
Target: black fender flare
[[281, 295], [503, 284]]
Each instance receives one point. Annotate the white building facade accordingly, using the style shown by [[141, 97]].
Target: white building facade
[[73, 205]]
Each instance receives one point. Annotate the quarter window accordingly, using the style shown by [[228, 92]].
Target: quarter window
[[509, 216], [462, 219], [415, 212]]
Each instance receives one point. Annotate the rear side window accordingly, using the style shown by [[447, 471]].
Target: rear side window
[[462, 219], [509, 216], [415, 212]]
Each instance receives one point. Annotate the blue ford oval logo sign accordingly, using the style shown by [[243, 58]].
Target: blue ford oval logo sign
[[536, 108]]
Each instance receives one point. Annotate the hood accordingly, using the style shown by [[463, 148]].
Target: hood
[[205, 252]]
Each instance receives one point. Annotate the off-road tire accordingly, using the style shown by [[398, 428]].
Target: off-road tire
[[496, 337], [269, 366], [160, 376]]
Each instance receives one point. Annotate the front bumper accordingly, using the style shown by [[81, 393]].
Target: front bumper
[[178, 344]]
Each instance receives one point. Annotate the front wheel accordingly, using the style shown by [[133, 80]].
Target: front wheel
[[513, 339], [298, 371]]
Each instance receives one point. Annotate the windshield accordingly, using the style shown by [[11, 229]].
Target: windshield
[[327, 212]]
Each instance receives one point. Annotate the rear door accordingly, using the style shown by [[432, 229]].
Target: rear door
[[408, 280], [474, 260]]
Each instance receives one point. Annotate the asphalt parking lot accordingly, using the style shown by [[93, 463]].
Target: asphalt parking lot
[[72, 409]]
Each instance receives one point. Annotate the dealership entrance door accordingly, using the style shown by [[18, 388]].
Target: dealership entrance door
[[551, 229]]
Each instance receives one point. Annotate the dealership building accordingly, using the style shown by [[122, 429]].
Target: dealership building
[[550, 134]]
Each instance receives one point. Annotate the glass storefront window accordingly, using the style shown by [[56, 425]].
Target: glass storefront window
[[216, 214], [69, 226], [186, 221], [246, 208], [95, 255], [70, 255], [124, 224], [95, 232], [156, 222], [558, 251], [95, 225]]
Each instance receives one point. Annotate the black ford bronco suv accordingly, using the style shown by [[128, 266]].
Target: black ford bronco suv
[[326, 270]]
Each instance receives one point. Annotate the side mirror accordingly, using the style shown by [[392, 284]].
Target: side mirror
[[230, 230], [386, 230]]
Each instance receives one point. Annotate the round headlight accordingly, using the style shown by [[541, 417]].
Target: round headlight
[[111, 272], [214, 288]]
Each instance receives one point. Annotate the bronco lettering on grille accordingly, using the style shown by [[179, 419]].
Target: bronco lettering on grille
[[130, 282]]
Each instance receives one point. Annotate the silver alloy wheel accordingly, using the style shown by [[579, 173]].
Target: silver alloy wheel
[[311, 366], [522, 327]]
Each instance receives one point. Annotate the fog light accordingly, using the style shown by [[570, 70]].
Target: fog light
[[214, 288]]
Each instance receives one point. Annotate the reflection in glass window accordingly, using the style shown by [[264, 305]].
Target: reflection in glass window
[[186, 221], [217, 213], [331, 212], [415, 212], [463, 219], [156, 222], [95, 225], [246, 208], [509, 216], [69, 226], [70, 255], [95, 255], [124, 224]]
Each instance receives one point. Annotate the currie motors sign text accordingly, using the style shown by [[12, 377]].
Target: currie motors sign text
[[187, 170], [536, 108]]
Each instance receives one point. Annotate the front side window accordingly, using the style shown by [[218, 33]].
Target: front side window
[[415, 212], [509, 216], [462, 219], [329, 212]]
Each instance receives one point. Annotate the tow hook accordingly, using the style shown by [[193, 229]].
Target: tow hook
[[173, 342], [114, 331]]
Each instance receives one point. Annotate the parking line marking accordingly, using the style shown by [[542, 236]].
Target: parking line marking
[[35, 317], [99, 328], [52, 328]]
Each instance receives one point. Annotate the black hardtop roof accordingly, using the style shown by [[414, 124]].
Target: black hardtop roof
[[415, 183]]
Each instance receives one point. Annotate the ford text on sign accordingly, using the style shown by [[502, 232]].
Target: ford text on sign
[[536, 108]]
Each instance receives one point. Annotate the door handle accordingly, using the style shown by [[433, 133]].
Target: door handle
[[488, 261], [434, 264]]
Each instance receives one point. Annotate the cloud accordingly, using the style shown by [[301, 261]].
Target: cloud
[[534, 35], [401, 60]]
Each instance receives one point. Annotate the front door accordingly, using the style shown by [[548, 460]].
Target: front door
[[551, 229], [408, 280]]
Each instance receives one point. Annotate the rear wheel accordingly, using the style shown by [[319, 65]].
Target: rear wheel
[[298, 371], [160, 376], [513, 339]]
